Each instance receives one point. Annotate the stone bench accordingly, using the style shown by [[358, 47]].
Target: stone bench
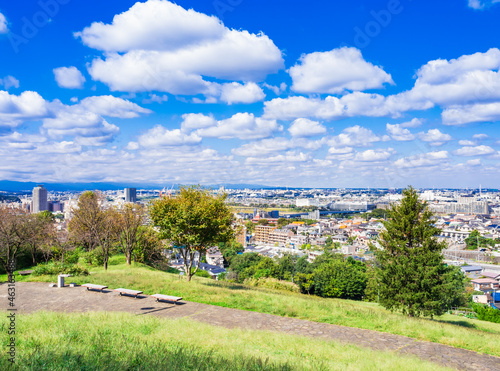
[[91, 286], [159, 297], [128, 292], [24, 273]]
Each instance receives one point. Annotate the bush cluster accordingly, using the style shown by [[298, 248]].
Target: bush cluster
[[272, 283], [58, 268], [486, 313]]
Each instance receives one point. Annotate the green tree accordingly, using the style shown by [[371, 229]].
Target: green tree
[[12, 236], [339, 278], [476, 241], [148, 249], [305, 282], [250, 227], [411, 270], [193, 221], [229, 250], [131, 219], [282, 222], [263, 222]]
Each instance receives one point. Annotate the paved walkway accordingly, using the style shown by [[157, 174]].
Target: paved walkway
[[33, 296]]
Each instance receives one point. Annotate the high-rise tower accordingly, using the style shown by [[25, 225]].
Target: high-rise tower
[[39, 199], [130, 195]]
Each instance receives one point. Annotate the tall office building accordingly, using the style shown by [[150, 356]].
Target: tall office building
[[130, 195], [39, 199]]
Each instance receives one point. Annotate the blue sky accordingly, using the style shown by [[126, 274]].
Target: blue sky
[[283, 93]]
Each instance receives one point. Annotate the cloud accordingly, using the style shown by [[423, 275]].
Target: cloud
[[422, 160], [193, 121], [9, 82], [466, 143], [286, 158], [330, 108], [238, 93], [87, 127], [336, 71], [481, 4], [276, 89], [373, 155], [475, 151], [479, 136], [460, 115], [354, 136], [475, 162], [469, 79], [397, 132], [159, 136], [269, 146], [158, 45], [69, 77], [3, 24], [14, 109], [107, 105], [413, 123], [306, 128], [242, 126], [435, 137]]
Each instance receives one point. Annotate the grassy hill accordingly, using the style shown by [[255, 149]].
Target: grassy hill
[[121, 341], [450, 330]]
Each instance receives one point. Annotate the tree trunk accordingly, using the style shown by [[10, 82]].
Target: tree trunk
[[128, 256]]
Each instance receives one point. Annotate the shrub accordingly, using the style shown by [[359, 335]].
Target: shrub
[[58, 268], [94, 257], [272, 283], [486, 313], [201, 273], [72, 256]]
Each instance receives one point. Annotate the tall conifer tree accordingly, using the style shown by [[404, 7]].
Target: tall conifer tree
[[413, 277]]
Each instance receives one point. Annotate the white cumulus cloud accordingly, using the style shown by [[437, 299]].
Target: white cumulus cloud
[[69, 77], [9, 82], [158, 45], [14, 109], [159, 136], [241, 93], [460, 115], [374, 155], [481, 4], [475, 151], [242, 126], [306, 128], [354, 136], [435, 137], [399, 133], [336, 71], [422, 160], [3, 24], [107, 105], [193, 121]]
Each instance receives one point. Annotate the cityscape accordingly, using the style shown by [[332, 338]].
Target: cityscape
[[250, 185]]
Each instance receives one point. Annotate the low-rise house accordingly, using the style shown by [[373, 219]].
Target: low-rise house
[[214, 257], [486, 285], [492, 275], [471, 270], [213, 270]]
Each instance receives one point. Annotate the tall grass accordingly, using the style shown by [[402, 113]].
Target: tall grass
[[460, 332], [121, 341]]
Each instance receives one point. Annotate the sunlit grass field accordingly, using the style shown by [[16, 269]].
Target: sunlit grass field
[[451, 330], [122, 341]]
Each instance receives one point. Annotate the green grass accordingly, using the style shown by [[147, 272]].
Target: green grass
[[480, 336], [122, 341]]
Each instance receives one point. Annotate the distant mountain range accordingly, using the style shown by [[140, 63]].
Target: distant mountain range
[[13, 186]]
